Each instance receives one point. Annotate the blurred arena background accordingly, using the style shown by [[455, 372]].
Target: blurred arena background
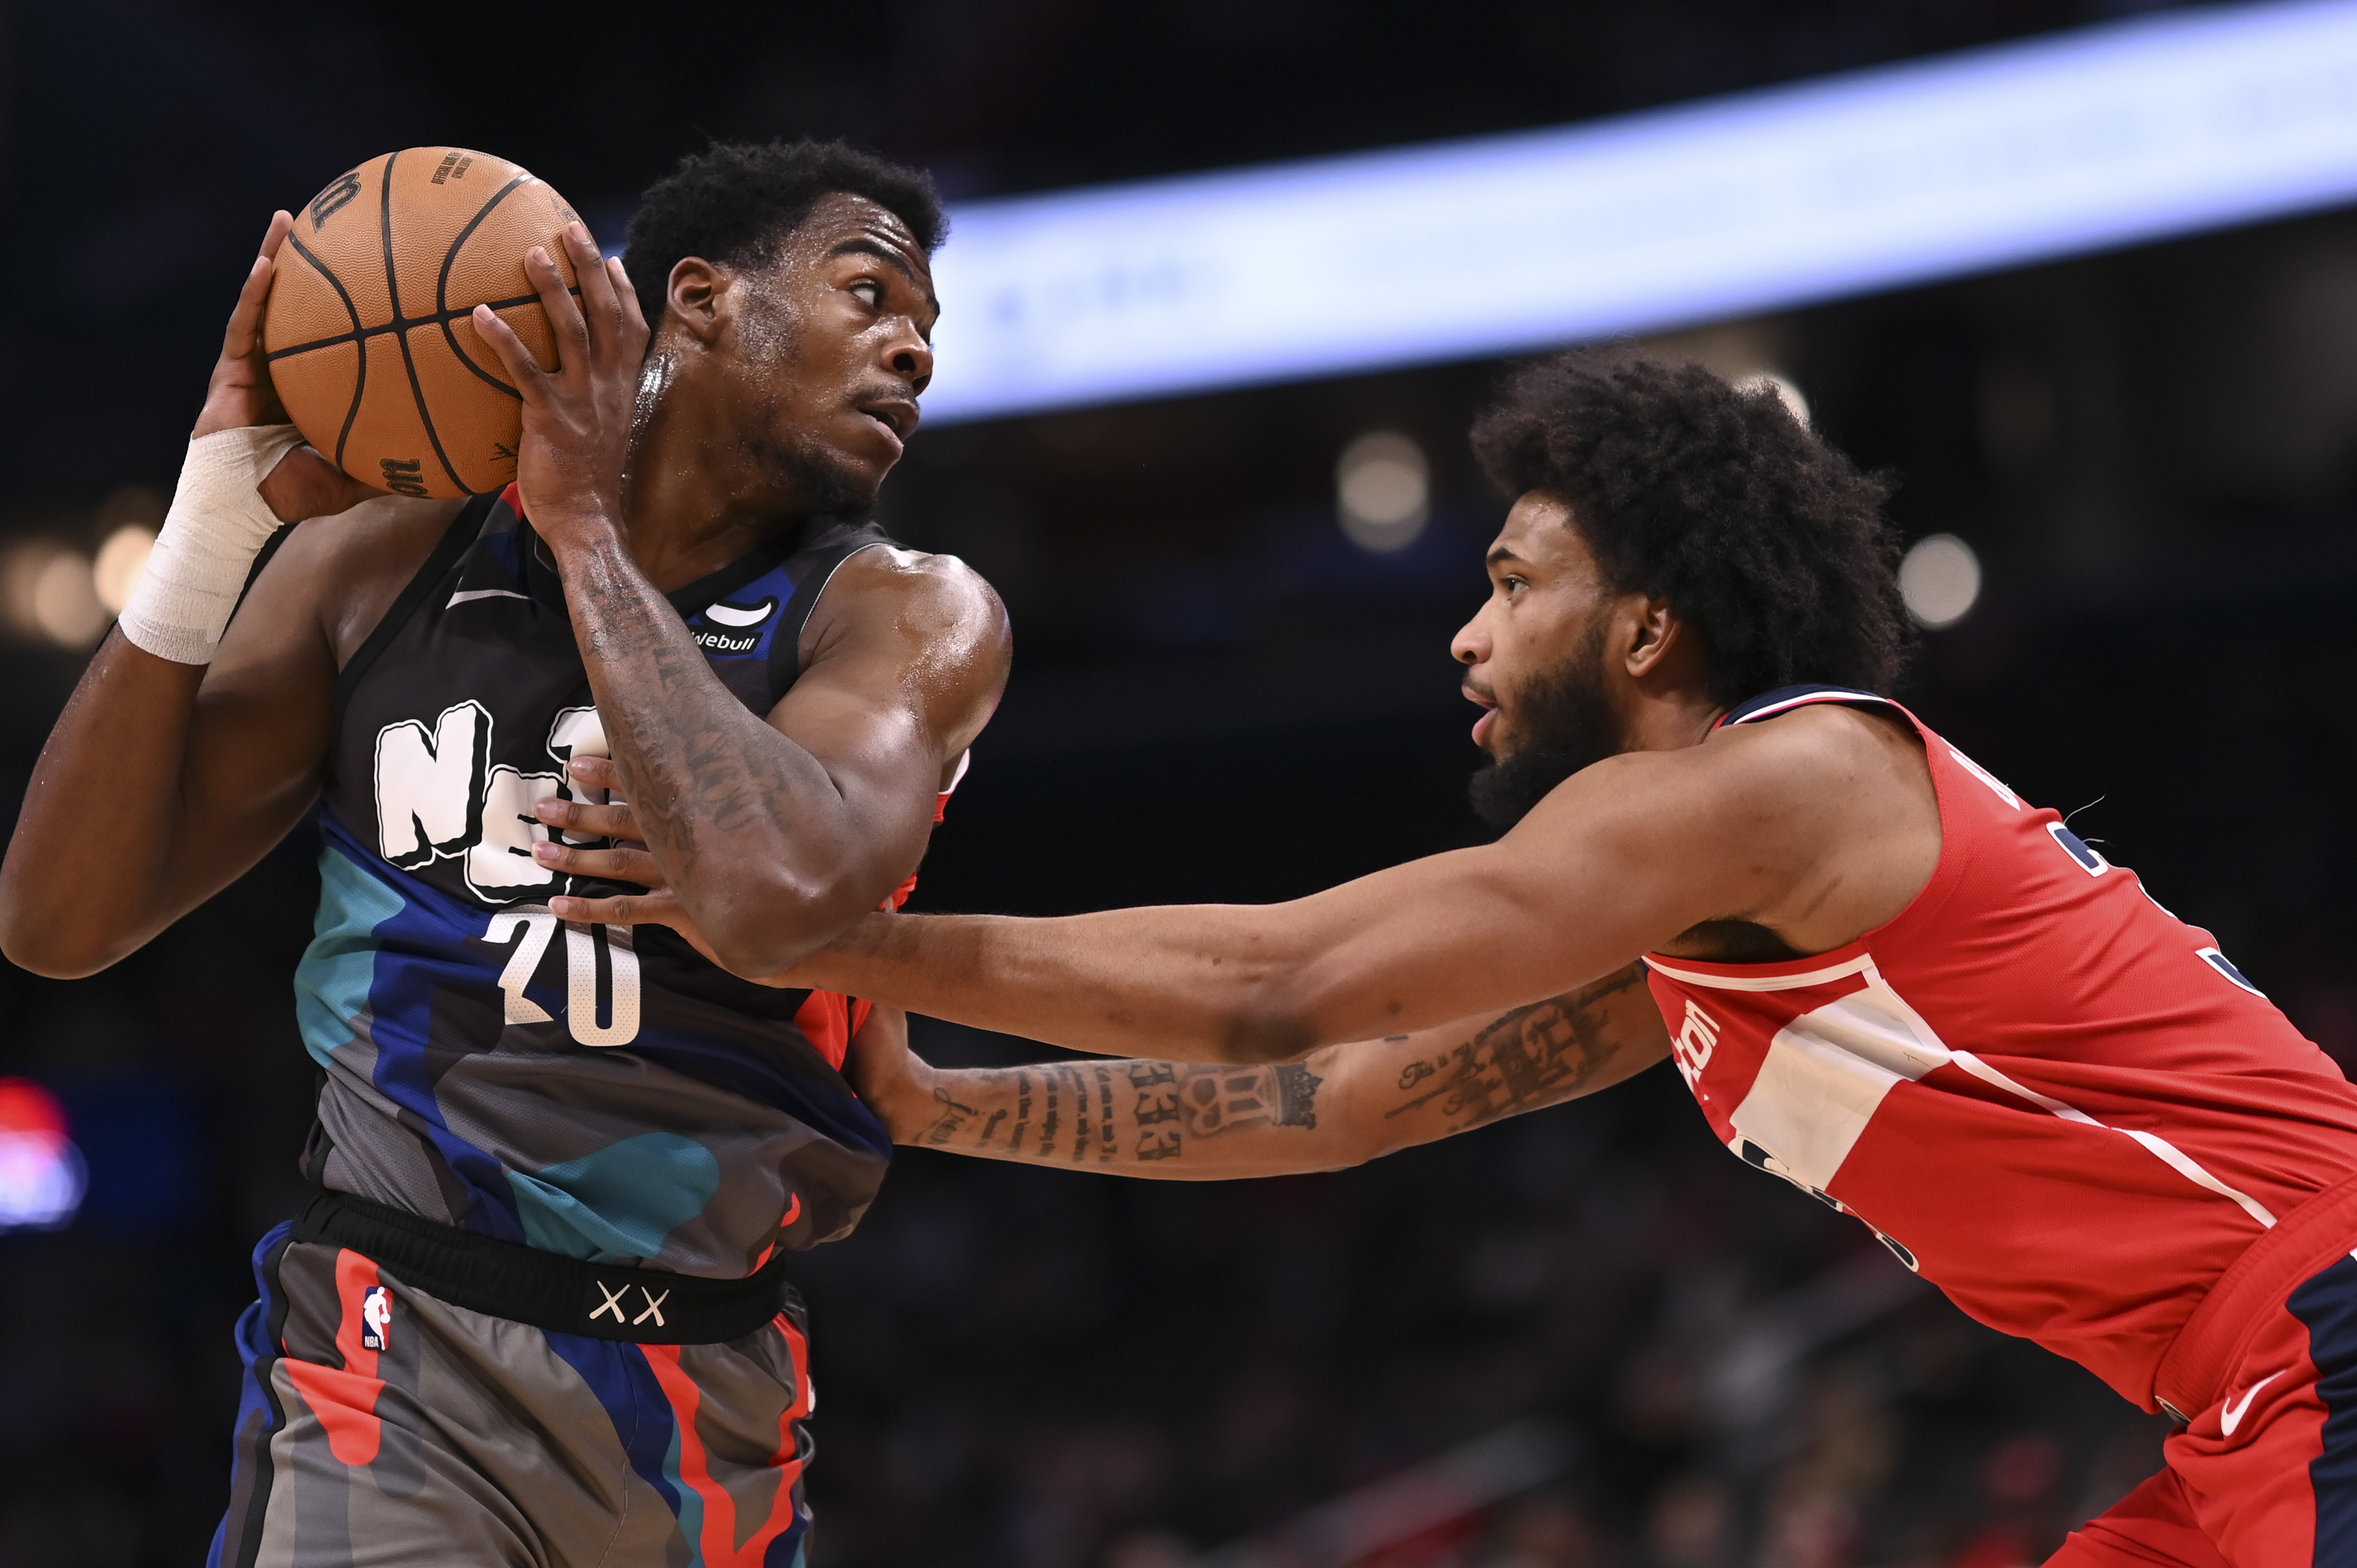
[[1583, 1339]]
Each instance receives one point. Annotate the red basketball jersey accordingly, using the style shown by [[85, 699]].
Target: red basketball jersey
[[2048, 1095]]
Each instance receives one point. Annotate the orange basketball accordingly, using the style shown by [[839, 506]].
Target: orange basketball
[[369, 336]]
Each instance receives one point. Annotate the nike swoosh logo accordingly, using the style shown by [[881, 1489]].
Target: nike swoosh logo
[[470, 594], [737, 615], [2231, 1415]]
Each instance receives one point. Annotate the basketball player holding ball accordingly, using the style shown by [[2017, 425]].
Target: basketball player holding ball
[[533, 1311]]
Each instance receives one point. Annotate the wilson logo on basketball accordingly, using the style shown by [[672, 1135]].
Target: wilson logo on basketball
[[404, 476], [334, 199]]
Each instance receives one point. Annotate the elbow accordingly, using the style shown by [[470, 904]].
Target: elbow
[[1271, 1024], [768, 928], [43, 947], [1275, 997], [758, 949]]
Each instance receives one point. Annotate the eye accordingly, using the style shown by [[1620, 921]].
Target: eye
[[870, 292]]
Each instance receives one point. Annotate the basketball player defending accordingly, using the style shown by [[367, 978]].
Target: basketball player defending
[[1885, 976], [534, 1312]]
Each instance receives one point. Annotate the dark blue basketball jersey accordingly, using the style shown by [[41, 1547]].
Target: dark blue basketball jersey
[[597, 1091]]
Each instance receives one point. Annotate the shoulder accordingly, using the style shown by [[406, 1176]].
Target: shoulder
[[347, 570], [1817, 826], [1820, 772], [911, 595], [371, 534], [1828, 758], [1821, 733], [1762, 791]]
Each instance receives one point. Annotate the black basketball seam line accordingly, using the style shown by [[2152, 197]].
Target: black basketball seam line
[[408, 360], [360, 381], [442, 286], [405, 324]]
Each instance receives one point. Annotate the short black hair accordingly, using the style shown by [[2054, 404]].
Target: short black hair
[[735, 202], [1767, 540]]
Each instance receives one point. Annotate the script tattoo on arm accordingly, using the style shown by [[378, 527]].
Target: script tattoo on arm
[[1144, 1111], [1180, 1119], [1530, 1057]]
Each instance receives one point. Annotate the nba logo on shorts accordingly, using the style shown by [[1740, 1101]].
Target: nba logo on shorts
[[376, 1317]]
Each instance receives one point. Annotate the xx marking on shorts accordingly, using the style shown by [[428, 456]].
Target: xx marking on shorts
[[613, 1303]]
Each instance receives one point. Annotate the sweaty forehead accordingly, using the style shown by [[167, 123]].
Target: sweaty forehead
[[839, 218]]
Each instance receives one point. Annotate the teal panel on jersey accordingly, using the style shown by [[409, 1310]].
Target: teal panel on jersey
[[331, 983], [618, 1202]]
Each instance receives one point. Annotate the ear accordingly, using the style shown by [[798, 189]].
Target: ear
[[1655, 637], [694, 295]]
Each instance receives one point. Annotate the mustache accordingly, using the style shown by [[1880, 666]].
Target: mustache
[[1565, 722]]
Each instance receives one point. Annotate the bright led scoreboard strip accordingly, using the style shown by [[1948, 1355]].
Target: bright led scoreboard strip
[[1843, 185]]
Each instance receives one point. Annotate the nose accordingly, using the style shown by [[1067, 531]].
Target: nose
[[1471, 643], [911, 358]]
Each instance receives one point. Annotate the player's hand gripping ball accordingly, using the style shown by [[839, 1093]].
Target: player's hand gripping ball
[[368, 338]]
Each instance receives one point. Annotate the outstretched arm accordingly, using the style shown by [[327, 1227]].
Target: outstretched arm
[[1616, 862], [1342, 1105], [774, 834], [1813, 828]]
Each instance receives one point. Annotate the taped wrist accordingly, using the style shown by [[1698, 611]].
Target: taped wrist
[[217, 525]]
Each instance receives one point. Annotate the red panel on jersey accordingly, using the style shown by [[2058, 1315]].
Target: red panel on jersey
[[2057, 1100]]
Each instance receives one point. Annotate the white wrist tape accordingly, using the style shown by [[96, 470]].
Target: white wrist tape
[[217, 523]]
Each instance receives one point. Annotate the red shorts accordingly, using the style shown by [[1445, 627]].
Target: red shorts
[[2265, 1474]]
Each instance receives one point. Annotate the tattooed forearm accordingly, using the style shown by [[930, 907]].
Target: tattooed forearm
[[1138, 1111], [1297, 1095], [1155, 1087], [1022, 1110], [1345, 1105], [762, 847], [1047, 1120], [1080, 1088], [1104, 1113], [951, 1121], [1529, 1057], [678, 734]]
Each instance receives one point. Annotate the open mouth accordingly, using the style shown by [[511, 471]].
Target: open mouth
[[896, 417], [1489, 706]]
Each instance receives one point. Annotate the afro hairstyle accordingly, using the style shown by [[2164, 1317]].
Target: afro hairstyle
[[1762, 537]]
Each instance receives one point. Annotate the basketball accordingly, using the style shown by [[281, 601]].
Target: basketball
[[369, 334]]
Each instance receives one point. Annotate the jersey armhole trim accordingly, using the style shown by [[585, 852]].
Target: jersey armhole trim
[[785, 642], [464, 529], [253, 574]]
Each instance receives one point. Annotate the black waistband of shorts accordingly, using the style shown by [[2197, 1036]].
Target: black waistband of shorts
[[603, 1301]]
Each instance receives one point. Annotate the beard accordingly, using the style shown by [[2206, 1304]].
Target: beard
[[834, 488], [1570, 724]]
